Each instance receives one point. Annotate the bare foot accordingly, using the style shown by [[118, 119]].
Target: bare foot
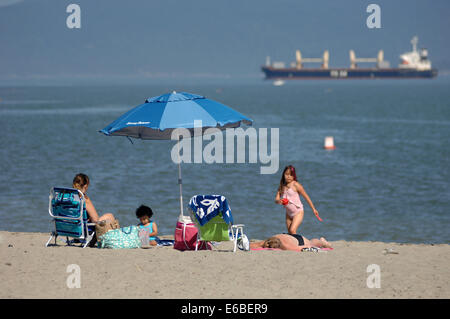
[[325, 243]]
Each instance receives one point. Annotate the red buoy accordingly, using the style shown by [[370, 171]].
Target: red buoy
[[329, 143]]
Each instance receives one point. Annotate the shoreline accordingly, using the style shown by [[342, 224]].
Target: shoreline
[[28, 269]]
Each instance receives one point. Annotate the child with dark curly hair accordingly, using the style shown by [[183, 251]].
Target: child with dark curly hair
[[145, 213]]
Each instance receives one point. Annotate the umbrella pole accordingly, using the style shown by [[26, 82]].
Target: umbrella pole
[[179, 178]]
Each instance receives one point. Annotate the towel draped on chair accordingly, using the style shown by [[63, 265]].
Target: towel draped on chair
[[206, 207]]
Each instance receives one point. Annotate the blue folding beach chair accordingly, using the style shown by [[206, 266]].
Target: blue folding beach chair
[[67, 207], [214, 221]]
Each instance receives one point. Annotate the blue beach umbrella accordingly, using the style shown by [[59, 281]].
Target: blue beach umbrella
[[160, 115]]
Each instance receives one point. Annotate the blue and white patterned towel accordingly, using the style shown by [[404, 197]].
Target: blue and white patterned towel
[[206, 207], [164, 242]]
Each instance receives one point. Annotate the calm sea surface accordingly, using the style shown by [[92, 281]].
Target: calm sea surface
[[388, 180]]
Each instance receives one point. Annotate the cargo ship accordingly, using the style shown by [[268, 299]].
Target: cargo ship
[[414, 64]]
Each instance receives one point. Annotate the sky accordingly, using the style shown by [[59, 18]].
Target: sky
[[207, 39]]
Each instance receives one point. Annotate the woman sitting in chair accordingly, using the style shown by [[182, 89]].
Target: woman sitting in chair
[[81, 182]]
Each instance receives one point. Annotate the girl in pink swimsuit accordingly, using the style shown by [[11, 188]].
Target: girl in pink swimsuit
[[288, 194]]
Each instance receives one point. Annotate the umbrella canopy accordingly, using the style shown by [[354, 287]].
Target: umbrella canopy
[[160, 115]]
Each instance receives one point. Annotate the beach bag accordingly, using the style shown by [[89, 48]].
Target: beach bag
[[104, 226], [125, 237], [186, 235]]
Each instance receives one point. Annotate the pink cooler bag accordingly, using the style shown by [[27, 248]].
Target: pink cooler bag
[[186, 235]]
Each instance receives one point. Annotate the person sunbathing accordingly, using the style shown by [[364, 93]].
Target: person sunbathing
[[293, 242]]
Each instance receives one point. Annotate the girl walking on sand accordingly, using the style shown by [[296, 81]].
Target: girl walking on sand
[[288, 194]]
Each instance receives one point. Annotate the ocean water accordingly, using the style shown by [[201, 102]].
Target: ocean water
[[388, 180]]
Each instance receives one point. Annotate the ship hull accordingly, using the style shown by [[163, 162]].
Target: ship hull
[[343, 73]]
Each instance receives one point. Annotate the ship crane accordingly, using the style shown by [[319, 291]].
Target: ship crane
[[378, 60], [324, 60]]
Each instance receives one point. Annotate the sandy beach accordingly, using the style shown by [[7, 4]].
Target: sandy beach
[[28, 269]]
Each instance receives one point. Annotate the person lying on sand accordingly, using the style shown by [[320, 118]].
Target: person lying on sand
[[293, 242]]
